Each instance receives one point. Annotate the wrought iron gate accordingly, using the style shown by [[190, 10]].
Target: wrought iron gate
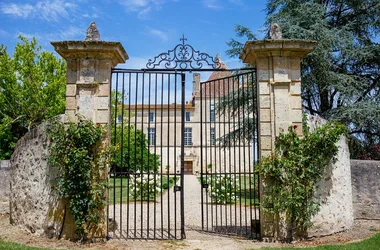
[[230, 191], [158, 136], [147, 172]]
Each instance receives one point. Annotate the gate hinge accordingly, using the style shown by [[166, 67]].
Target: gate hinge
[[204, 185], [177, 188]]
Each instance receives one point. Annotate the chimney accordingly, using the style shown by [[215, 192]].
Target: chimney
[[196, 84]]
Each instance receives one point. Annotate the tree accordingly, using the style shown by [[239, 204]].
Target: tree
[[340, 78], [133, 153], [32, 90]]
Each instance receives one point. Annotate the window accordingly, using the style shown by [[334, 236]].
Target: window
[[188, 141], [187, 116], [212, 112], [151, 136], [119, 119], [212, 137], [151, 116]]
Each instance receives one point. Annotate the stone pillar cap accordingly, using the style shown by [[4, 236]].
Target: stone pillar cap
[[281, 47], [94, 49]]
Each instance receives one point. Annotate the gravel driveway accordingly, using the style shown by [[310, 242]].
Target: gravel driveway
[[162, 219]]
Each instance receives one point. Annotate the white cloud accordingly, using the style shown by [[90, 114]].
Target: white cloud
[[69, 33], [3, 33], [217, 4], [212, 4], [134, 63], [92, 13], [143, 7], [157, 33], [238, 2], [46, 10], [143, 14], [22, 10]]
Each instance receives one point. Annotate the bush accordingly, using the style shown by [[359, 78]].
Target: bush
[[144, 186], [223, 188], [81, 159], [293, 170]]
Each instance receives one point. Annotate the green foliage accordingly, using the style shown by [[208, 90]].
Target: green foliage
[[292, 172], [132, 143], [232, 105], [236, 45], [7, 138], [133, 152], [340, 78], [5, 245], [78, 154], [32, 90]]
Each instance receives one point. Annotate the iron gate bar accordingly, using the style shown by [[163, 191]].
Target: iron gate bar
[[242, 220], [183, 236]]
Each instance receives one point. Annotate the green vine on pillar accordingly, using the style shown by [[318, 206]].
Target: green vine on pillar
[[292, 172], [81, 158]]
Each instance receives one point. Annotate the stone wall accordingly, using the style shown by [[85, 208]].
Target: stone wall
[[4, 178], [334, 192], [33, 203], [366, 189]]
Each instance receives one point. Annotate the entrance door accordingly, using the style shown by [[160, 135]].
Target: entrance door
[[188, 167]]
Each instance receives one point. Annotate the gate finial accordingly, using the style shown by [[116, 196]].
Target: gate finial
[[92, 33], [275, 32]]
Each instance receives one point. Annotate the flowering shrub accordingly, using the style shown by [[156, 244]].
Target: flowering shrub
[[223, 188], [144, 186], [293, 170]]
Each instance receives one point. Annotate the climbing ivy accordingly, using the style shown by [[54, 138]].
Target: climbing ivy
[[292, 172], [80, 157]]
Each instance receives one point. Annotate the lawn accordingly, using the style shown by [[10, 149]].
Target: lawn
[[248, 195], [16, 246], [121, 186], [372, 243]]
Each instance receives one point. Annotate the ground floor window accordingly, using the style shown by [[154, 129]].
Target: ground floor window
[[188, 140]]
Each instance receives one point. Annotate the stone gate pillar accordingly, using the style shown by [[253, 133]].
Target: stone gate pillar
[[89, 65], [88, 88], [279, 100]]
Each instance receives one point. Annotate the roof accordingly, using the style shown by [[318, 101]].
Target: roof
[[219, 83]]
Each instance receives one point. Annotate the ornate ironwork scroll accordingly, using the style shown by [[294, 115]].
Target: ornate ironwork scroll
[[184, 57]]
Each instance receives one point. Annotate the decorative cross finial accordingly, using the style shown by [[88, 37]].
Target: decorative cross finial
[[183, 39], [92, 33], [275, 32]]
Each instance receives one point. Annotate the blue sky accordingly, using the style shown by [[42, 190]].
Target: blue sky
[[144, 27]]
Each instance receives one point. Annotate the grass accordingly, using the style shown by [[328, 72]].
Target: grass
[[120, 183], [246, 195], [372, 243], [16, 246]]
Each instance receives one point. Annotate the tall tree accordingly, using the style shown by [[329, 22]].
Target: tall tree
[[340, 78], [32, 89]]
